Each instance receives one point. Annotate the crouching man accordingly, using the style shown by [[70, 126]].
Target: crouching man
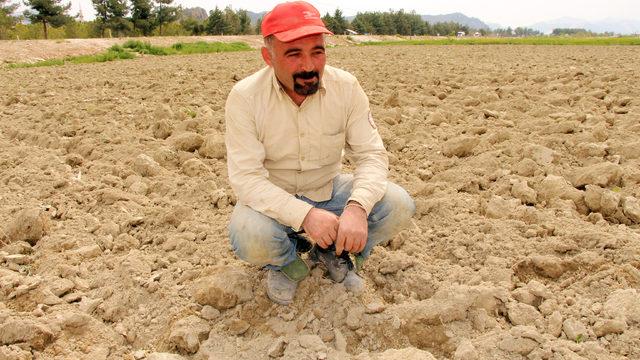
[[287, 126]]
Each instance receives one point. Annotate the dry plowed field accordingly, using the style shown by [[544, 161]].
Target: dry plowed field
[[523, 162]]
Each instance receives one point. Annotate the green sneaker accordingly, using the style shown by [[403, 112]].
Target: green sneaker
[[359, 263]]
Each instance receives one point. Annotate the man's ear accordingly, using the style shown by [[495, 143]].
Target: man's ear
[[266, 55]]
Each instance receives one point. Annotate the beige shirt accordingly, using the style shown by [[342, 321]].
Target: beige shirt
[[276, 149]]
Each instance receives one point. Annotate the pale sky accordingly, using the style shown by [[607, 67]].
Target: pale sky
[[506, 13]]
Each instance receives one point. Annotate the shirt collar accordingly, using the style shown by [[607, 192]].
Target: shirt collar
[[280, 90]]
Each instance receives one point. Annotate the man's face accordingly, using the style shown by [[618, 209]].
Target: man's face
[[298, 64]]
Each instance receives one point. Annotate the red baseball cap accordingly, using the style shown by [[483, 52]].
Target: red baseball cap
[[292, 20]]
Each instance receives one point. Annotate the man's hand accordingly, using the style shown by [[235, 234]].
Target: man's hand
[[352, 230], [321, 226]]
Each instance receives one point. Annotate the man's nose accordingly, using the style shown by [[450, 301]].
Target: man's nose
[[307, 63]]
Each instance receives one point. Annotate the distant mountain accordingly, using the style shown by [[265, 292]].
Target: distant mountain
[[618, 26], [255, 16], [459, 18], [196, 13]]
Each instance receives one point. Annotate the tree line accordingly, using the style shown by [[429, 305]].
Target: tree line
[[577, 32], [160, 17]]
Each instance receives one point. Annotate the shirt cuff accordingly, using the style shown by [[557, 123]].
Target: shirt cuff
[[362, 197], [297, 211]]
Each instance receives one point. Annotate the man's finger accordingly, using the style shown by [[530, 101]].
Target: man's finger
[[333, 234], [322, 243], [349, 244], [362, 245], [329, 240], [339, 242]]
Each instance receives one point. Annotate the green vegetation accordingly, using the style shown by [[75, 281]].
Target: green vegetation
[[577, 32], [145, 48], [191, 113], [202, 47], [6, 18], [116, 52], [48, 13], [515, 41], [132, 47], [110, 17]]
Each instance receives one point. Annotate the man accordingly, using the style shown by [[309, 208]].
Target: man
[[286, 128]]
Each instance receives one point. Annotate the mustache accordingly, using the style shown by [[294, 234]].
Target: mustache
[[306, 75]]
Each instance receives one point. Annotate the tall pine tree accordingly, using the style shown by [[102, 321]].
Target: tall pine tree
[[216, 24], [110, 14], [165, 13], [142, 16], [259, 26], [339, 22], [47, 12], [245, 22]]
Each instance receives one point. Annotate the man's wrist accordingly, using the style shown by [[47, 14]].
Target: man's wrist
[[355, 204], [305, 218]]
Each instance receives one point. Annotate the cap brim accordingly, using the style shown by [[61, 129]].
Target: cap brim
[[294, 34]]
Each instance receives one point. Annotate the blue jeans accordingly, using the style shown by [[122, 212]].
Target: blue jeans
[[262, 241]]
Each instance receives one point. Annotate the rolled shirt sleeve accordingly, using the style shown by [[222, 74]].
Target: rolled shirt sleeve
[[247, 174], [365, 148]]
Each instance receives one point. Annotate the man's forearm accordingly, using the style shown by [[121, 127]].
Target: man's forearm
[[370, 179], [263, 196]]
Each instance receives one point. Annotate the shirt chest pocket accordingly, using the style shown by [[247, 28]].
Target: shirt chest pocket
[[326, 149]]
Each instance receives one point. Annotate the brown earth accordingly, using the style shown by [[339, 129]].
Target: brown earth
[[523, 162]]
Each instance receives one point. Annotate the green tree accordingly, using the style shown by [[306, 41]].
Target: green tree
[[245, 22], [47, 12], [7, 20], [401, 23], [193, 26], [524, 31], [232, 21], [142, 16], [449, 28], [571, 32], [119, 11], [328, 21], [339, 22], [362, 23], [111, 14], [259, 26], [102, 14], [165, 13], [388, 24], [416, 25], [216, 23]]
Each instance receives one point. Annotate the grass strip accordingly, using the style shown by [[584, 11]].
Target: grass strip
[[109, 55], [131, 48], [202, 47], [552, 40]]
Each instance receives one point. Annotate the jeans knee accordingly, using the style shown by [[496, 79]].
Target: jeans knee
[[398, 203], [250, 248], [406, 202], [257, 239]]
